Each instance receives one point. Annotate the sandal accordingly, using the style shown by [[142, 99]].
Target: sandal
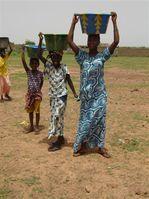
[[81, 151], [54, 147], [104, 152]]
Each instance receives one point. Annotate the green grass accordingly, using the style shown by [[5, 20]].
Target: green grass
[[130, 63], [31, 180], [38, 190], [132, 145], [19, 75], [140, 117], [129, 144], [4, 193], [8, 155]]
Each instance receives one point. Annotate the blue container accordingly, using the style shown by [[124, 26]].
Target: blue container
[[32, 50], [94, 23]]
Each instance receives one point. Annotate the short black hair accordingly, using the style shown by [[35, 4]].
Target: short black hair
[[2, 50], [94, 35], [34, 59], [56, 55]]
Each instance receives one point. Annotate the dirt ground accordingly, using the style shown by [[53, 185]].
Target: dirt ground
[[28, 170]]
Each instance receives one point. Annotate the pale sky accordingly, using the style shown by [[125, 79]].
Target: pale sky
[[23, 19]]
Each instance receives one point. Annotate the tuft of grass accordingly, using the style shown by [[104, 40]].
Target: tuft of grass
[[10, 180], [31, 181], [38, 190], [4, 193], [8, 155], [132, 145], [138, 116]]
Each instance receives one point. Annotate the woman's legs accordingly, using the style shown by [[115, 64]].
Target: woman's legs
[[83, 127], [101, 144], [92, 124], [102, 133]]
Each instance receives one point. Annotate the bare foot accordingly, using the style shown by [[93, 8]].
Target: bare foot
[[37, 130], [1, 100], [7, 97], [30, 129]]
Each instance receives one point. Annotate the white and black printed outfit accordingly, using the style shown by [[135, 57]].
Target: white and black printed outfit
[[58, 96]]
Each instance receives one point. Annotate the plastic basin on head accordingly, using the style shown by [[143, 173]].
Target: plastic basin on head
[[94, 23], [56, 42], [4, 41], [32, 50]]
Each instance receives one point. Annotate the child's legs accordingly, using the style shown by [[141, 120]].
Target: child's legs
[[2, 82], [7, 85], [53, 121], [37, 111], [57, 116], [31, 117], [37, 119], [35, 107], [60, 126], [1, 87]]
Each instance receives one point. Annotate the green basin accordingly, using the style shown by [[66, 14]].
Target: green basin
[[56, 42]]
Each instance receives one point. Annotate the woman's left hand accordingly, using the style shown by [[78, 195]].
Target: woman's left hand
[[77, 97], [113, 16]]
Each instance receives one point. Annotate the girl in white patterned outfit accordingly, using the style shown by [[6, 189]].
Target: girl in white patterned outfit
[[58, 76]]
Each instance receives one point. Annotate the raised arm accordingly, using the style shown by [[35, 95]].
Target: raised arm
[[41, 84], [23, 60], [40, 48], [10, 49], [116, 33], [72, 45]]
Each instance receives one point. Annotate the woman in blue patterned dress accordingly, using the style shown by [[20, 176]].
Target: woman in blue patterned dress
[[93, 96]]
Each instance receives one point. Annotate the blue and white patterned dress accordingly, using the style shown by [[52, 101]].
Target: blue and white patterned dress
[[93, 96]]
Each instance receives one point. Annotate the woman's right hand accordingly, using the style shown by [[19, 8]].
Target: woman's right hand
[[114, 17], [40, 35], [75, 19]]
